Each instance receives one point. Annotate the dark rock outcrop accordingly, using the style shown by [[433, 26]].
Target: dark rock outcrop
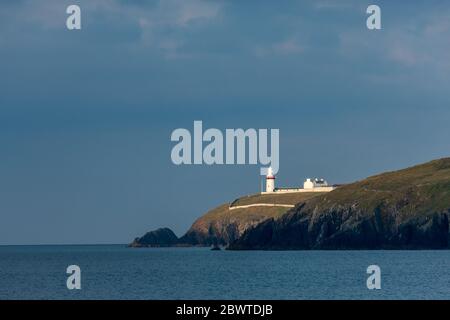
[[163, 237]]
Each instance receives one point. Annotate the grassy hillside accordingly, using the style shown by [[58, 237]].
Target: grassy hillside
[[415, 190], [405, 209]]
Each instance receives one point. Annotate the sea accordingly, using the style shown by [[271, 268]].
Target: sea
[[118, 272]]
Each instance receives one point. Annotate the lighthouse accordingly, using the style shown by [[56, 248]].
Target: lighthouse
[[270, 181]]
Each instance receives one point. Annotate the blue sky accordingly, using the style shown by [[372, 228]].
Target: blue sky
[[86, 116]]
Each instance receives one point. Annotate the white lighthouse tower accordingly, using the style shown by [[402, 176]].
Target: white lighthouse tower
[[270, 181]]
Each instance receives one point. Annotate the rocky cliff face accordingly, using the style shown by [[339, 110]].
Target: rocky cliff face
[[223, 226], [347, 228], [406, 209], [226, 228]]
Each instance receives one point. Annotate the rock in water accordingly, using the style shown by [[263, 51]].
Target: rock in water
[[163, 237]]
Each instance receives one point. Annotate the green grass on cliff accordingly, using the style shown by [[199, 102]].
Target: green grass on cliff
[[276, 198], [246, 216], [420, 189]]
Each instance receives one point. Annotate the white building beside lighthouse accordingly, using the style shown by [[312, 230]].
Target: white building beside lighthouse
[[310, 185]]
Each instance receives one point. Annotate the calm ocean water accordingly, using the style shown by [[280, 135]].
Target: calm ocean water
[[116, 272]]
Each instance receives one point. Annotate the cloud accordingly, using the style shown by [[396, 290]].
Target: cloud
[[410, 49], [290, 46], [324, 4], [194, 10], [287, 47], [222, 38], [165, 27], [160, 22], [176, 13]]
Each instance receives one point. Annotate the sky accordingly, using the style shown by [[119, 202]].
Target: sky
[[86, 115]]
